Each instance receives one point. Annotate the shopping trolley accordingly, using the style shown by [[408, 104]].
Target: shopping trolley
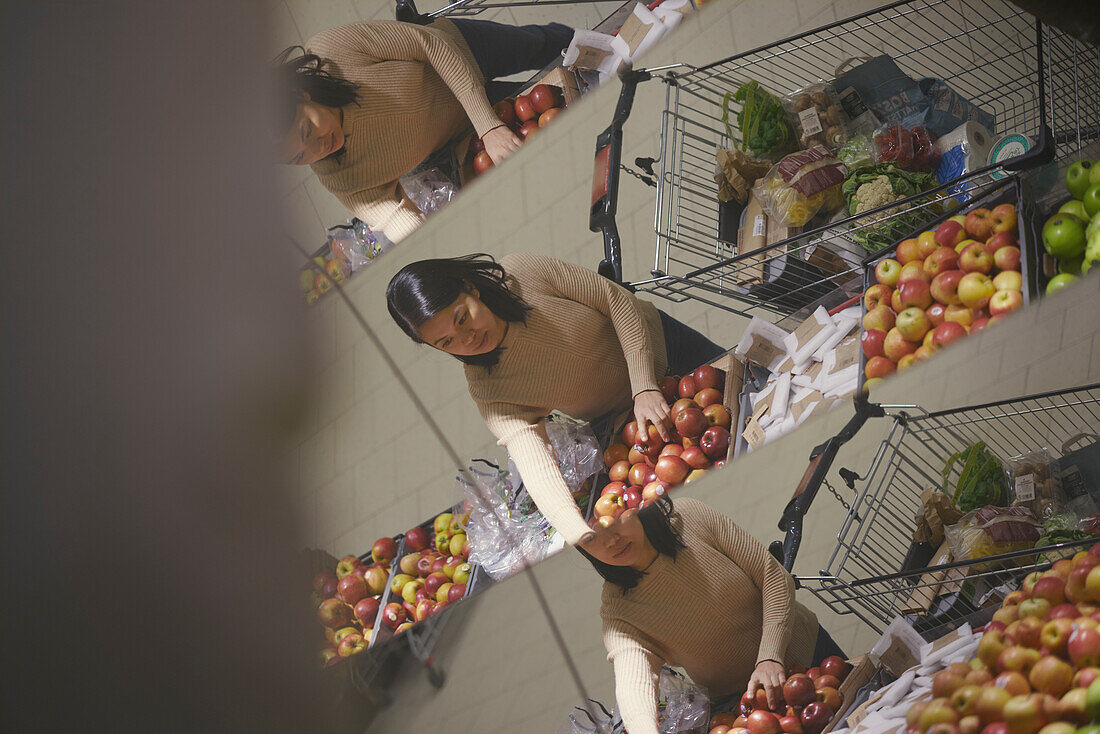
[[1032, 77], [877, 572]]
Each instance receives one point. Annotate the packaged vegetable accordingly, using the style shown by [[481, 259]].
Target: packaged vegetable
[[989, 531], [801, 185], [1035, 483], [817, 116], [859, 150], [980, 479], [762, 121], [912, 149], [865, 189]]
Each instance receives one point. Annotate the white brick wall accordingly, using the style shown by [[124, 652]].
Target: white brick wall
[[368, 467]]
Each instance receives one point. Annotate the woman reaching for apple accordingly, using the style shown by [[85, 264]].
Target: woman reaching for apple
[[365, 103], [689, 588], [536, 335]]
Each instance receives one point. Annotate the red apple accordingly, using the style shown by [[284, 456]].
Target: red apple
[[798, 690], [482, 162], [366, 611], [617, 452], [912, 324], [334, 613], [1051, 588], [383, 551], [828, 696], [393, 615], [942, 260], [707, 376], [667, 386], [1005, 302], [682, 404], [815, 716], [991, 703], [346, 564], [632, 497], [525, 111], [672, 469], [1025, 714], [881, 318], [547, 117], [708, 396], [947, 333], [456, 592], [528, 129], [913, 271], [505, 110], [543, 97], [895, 345], [915, 293], [1083, 647], [618, 471], [654, 491], [837, 666], [715, 442], [950, 233], [978, 224], [690, 422], [1004, 218], [687, 387], [717, 415], [879, 367], [1052, 676], [351, 589], [871, 342], [1000, 240], [351, 644], [975, 259], [936, 314], [1055, 635], [908, 251], [945, 287], [695, 458], [1007, 258], [322, 579], [877, 295], [762, 722]]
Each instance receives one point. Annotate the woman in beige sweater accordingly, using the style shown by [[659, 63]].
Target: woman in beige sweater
[[537, 334], [367, 102], [691, 589]]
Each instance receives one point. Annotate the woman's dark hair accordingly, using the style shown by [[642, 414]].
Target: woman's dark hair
[[302, 73], [657, 525], [422, 289]]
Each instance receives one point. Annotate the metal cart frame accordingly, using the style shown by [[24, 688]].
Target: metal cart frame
[[867, 573], [1032, 77]]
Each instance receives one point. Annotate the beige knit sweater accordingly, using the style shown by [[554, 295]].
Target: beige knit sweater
[[419, 88], [589, 346], [721, 607]]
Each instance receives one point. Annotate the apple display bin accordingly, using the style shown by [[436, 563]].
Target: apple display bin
[[1033, 79], [1011, 190], [876, 572]]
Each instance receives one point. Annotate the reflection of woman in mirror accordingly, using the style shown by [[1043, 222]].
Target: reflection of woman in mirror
[[365, 103], [537, 335], [691, 589]]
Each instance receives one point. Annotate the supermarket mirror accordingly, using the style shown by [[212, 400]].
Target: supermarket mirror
[[385, 122]]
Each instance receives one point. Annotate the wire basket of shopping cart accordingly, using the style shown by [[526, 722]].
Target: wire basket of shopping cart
[[1033, 80], [878, 570]]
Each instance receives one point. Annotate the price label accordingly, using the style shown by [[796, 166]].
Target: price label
[[1025, 488], [590, 58], [759, 225], [809, 121], [754, 434]]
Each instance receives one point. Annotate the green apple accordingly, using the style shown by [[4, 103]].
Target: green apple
[[1092, 700], [1077, 177], [1064, 236], [1091, 200], [1093, 227], [1059, 282], [1092, 251], [1075, 207], [1071, 266], [1094, 174]]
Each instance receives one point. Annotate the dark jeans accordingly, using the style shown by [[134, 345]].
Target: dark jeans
[[503, 50], [686, 348], [826, 647]]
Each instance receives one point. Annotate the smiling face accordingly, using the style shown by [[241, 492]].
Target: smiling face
[[464, 328], [622, 543], [316, 133]]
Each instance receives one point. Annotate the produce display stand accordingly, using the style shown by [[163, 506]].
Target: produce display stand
[[1031, 77], [876, 574]]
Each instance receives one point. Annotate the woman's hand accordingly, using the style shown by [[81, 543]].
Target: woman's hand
[[500, 142], [769, 676], [650, 407]]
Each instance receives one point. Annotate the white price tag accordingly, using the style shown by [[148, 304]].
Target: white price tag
[[1025, 488], [810, 122], [759, 225]]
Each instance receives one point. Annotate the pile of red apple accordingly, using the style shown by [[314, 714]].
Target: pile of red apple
[[349, 601], [432, 575], [1038, 662], [941, 286], [524, 115], [810, 700], [641, 469]]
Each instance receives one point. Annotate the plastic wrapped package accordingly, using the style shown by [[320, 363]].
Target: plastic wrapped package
[[639, 32], [594, 51], [778, 407], [1035, 483], [817, 116], [859, 149], [761, 120], [355, 246], [802, 185], [430, 189], [912, 149], [685, 710], [762, 344], [576, 449], [804, 341], [989, 531]]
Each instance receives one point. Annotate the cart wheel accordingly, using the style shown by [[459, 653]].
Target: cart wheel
[[436, 677]]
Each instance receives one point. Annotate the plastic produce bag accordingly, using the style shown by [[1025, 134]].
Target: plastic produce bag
[[354, 246], [989, 531], [801, 185], [429, 188], [762, 120], [686, 708], [1036, 484], [576, 449], [817, 117], [504, 529], [581, 722], [911, 148]]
